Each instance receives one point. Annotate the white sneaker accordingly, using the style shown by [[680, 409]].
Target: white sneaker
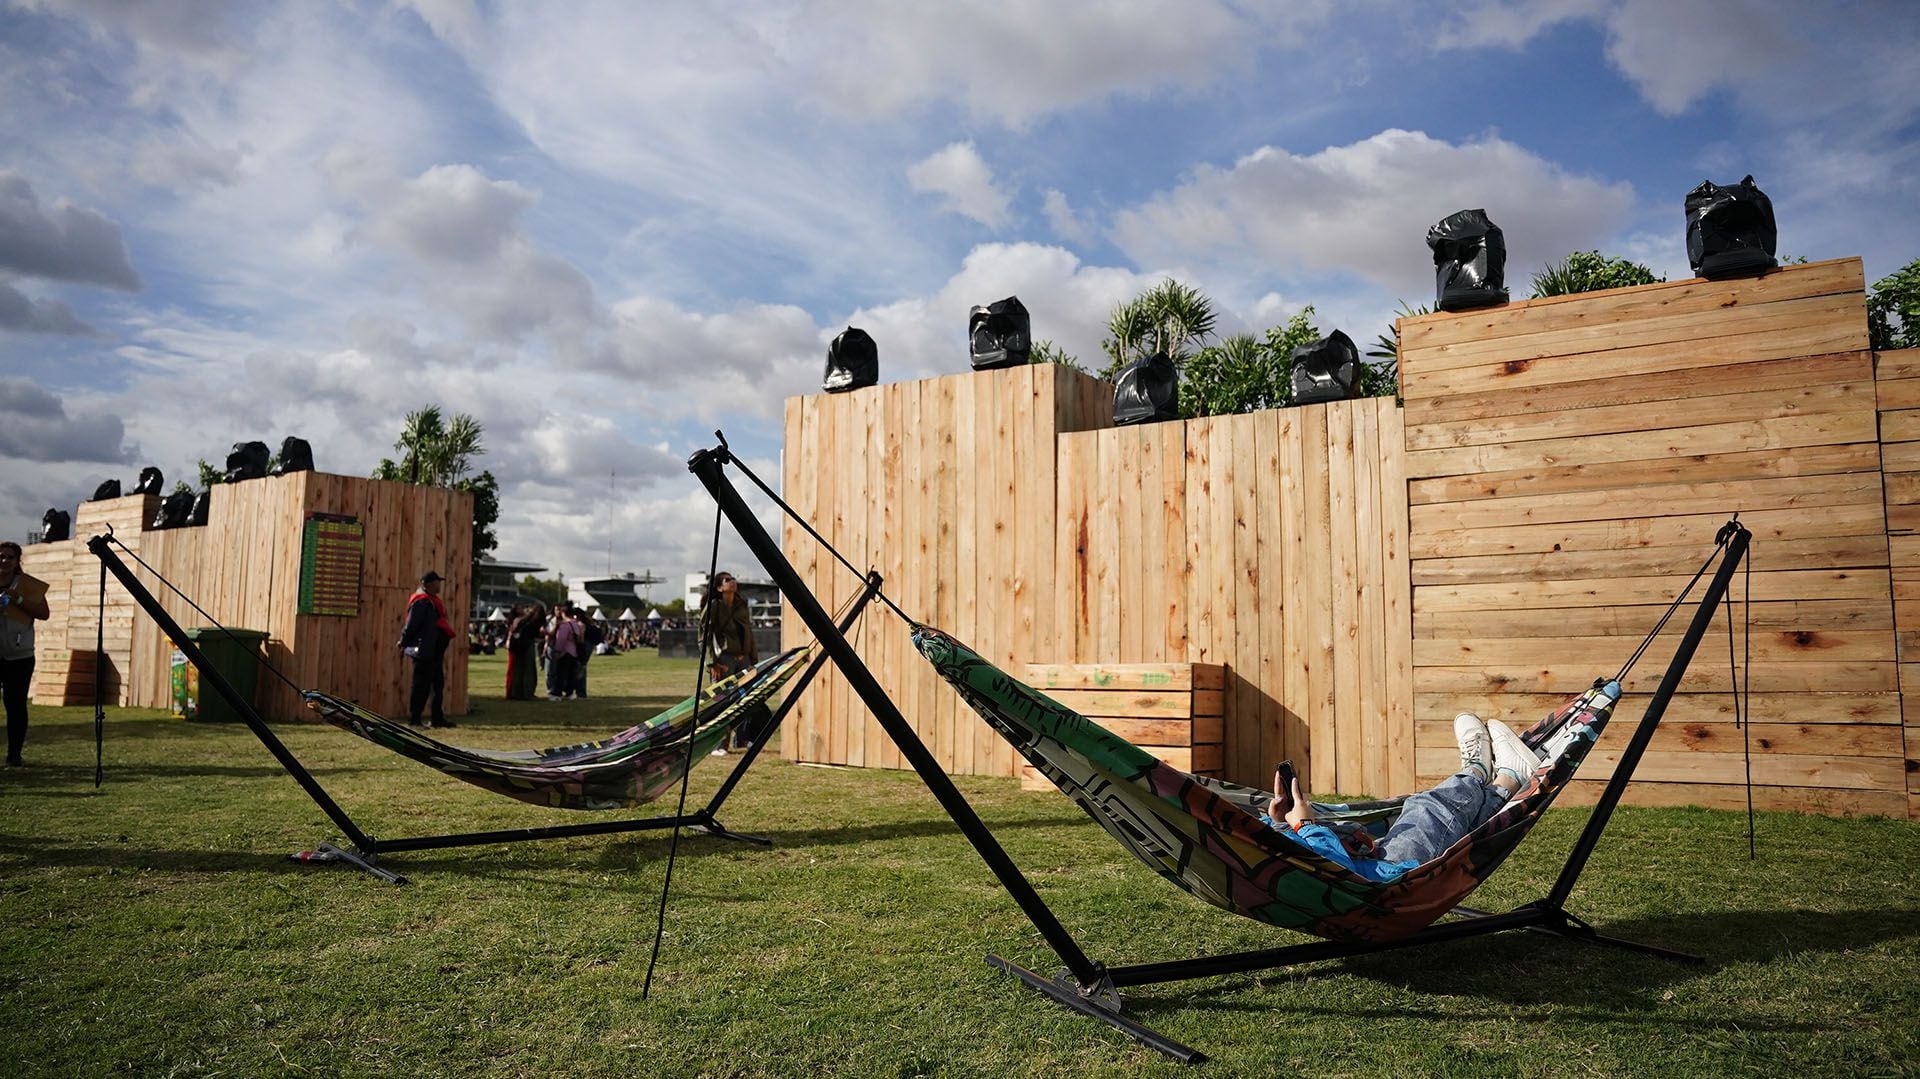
[[1476, 746], [718, 753], [1510, 754]]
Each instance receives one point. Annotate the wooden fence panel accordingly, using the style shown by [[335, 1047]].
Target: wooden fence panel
[[1569, 462], [242, 569]]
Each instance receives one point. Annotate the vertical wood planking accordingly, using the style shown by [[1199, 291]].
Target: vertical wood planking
[[968, 449], [1397, 605], [1248, 591]]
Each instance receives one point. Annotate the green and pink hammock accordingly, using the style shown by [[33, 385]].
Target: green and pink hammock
[[629, 769], [1206, 836]]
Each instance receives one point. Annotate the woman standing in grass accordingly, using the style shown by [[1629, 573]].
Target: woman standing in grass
[[523, 647], [23, 601]]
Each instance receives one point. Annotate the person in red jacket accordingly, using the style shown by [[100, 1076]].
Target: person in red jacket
[[425, 638]]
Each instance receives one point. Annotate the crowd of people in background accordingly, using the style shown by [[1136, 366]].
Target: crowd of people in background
[[556, 646]]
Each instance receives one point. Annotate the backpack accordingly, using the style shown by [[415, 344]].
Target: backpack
[[595, 634]]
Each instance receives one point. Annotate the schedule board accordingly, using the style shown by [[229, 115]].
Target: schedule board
[[332, 547]]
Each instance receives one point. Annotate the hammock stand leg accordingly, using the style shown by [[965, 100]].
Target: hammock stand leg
[[365, 849], [874, 580], [1091, 988], [1085, 983]]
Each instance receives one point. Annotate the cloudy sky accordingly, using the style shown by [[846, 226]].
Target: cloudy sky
[[606, 229]]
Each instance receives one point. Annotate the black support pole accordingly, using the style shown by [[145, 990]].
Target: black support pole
[[102, 549], [793, 696], [709, 467], [1737, 538]]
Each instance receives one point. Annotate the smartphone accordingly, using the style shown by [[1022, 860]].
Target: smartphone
[[1285, 769]]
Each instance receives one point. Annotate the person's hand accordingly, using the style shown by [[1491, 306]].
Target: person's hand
[[1301, 811], [1281, 801]]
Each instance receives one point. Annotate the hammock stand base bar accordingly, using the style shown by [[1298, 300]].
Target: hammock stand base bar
[[365, 849], [1102, 1005], [1091, 988]]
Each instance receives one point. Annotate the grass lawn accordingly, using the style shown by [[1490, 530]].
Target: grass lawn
[[155, 927]]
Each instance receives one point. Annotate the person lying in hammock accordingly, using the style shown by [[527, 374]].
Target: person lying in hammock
[[1494, 763]]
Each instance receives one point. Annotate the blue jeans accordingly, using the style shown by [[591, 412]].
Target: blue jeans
[[1434, 820]]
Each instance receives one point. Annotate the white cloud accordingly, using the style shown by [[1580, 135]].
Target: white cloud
[[1772, 55], [1062, 219], [958, 173], [1365, 208], [1509, 24], [454, 214], [1016, 62]]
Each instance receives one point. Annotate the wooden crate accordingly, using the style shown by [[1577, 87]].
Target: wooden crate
[[1176, 711], [76, 685]]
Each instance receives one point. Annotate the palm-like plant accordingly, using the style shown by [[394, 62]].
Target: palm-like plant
[[1590, 271], [1168, 318], [434, 452], [438, 452]]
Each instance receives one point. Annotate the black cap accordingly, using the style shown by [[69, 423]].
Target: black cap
[[430, 576]]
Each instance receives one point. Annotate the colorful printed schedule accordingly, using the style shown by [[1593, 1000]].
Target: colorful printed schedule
[[331, 554]]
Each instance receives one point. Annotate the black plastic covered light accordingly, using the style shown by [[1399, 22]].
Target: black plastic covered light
[[151, 480], [1730, 230], [56, 525], [853, 361], [248, 461], [1469, 261], [109, 489], [202, 502], [173, 512], [295, 456], [1148, 391], [1000, 334], [1325, 370]]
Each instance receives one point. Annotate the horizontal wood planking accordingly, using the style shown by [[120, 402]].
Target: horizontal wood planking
[[1788, 374], [1865, 517], [1731, 350], [1603, 341], [1614, 306], [1898, 373], [1522, 709], [1823, 552], [1155, 676], [1805, 739], [1142, 703], [1829, 801], [1570, 462], [1682, 766]]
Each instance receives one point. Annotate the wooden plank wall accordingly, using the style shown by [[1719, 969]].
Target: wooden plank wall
[[243, 569], [1897, 393], [1570, 460], [1272, 543], [945, 486]]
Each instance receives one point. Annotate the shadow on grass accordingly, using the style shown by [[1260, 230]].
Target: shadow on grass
[[482, 860], [44, 780], [1533, 976]]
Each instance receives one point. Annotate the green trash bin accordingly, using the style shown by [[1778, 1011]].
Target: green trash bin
[[236, 654]]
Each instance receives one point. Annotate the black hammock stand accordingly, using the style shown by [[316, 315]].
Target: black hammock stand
[[1092, 988], [364, 850]]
